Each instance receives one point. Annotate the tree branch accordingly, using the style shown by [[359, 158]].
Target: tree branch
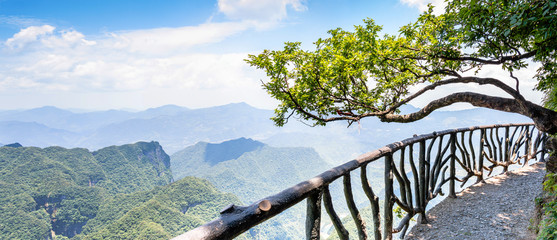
[[495, 61], [482, 81], [387, 115], [545, 119], [499, 60], [479, 100], [308, 114]]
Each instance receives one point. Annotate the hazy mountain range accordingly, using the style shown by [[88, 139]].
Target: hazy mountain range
[[177, 127], [174, 127]]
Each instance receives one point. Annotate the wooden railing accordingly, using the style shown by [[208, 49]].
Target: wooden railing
[[421, 175]]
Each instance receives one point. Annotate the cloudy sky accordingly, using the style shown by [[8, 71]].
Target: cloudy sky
[[106, 54]]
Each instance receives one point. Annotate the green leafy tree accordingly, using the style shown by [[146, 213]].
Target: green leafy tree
[[356, 74]]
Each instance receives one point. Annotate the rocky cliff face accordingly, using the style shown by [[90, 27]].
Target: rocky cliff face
[[142, 162], [155, 154]]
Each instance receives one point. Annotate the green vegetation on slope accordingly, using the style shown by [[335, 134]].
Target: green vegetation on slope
[[135, 167], [548, 226], [254, 174], [55, 191], [161, 213]]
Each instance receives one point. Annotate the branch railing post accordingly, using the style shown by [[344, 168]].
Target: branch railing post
[[527, 146], [544, 139], [356, 216], [313, 215], [506, 150], [374, 201], [452, 167], [337, 222], [481, 157], [423, 181], [388, 203]]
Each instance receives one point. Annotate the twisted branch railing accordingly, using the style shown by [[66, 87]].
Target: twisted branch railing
[[438, 152]]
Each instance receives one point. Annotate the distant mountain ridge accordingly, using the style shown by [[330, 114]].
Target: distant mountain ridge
[[173, 126], [176, 127], [14, 145], [229, 150], [57, 118]]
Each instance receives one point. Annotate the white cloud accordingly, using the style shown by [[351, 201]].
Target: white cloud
[[422, 5], [165, 40], [162, 64], [158, 41], [259, 10], [124, 64], [145, 62], [28, 35], [44, 36], [41, 60], [65, 39]]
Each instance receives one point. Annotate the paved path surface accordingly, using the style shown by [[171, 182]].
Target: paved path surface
[[500, 208]]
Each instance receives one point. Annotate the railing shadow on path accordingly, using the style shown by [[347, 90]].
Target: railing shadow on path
[[417, 170], [501, 207]]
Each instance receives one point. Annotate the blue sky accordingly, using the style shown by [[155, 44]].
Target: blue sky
[[97, 54]]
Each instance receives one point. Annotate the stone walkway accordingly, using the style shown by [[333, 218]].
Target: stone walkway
[[500, 208]]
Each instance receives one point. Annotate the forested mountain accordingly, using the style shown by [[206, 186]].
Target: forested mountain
[[252, 170], [248, 168], [126, 192], [47, 192], [161, 213], [14, 145], [134, 167]]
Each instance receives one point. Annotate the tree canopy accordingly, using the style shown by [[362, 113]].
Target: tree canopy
[[356, 74]]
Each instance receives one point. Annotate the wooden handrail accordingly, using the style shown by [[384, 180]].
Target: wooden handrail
[[235, 220]]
